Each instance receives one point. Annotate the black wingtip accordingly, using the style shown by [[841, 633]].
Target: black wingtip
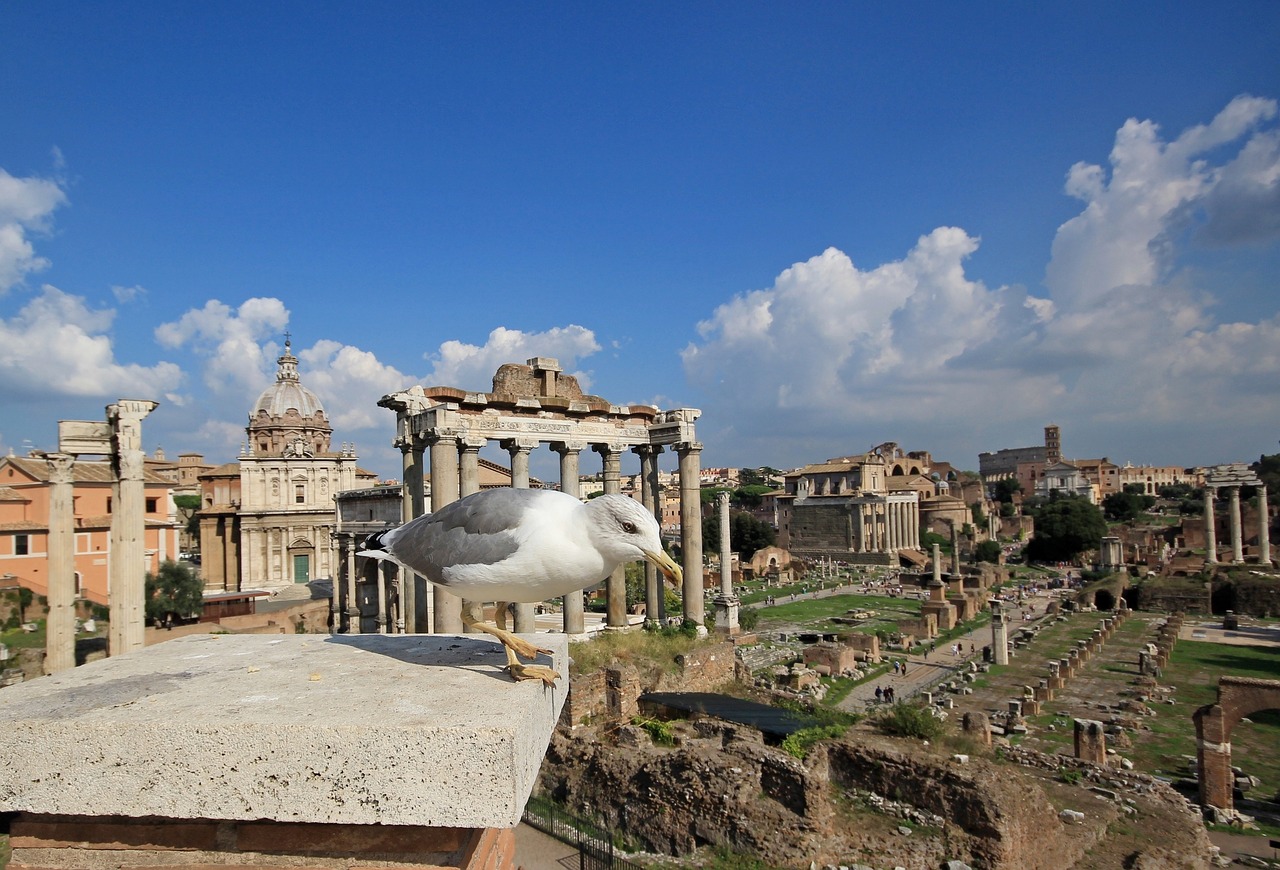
[[374, 541]]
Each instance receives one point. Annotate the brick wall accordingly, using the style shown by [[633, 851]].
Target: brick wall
[[611, 693]]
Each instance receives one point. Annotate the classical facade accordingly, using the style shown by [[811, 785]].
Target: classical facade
[[863, 508], [267, 520], [1065, 479]]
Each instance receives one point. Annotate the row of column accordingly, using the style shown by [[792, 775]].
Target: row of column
[[891, 526], [455, 473], [1233, 519]]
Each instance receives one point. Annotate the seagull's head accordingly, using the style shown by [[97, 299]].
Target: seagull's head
[[625, 531]]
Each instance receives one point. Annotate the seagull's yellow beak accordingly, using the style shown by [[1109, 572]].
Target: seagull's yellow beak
[[667, 566]]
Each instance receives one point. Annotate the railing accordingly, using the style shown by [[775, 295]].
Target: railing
[[594, 844]]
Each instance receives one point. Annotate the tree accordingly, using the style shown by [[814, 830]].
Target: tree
[[1268, 470], [1065, 527], [187, 506], [1124, 506], [174, 591], [1003, 490], [762, 476], [987, 551], [751, 496], [978, 514], [746, 533]]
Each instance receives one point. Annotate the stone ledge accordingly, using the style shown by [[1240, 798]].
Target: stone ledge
[[105, 843], [423, 730]]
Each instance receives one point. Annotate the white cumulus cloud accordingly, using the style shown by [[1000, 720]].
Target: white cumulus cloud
[[1125, 343], [59, 332], [228, 340], [470, 366], [26, 205]]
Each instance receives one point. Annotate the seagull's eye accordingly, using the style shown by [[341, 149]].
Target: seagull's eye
[[629, 527]]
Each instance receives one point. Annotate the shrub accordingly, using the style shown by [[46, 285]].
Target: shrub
[[800, 743], [659, 731], [909, 720]]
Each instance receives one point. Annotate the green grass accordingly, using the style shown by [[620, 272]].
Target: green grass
[[646, 650], [1194, 668], [817, 614], [19, 639]]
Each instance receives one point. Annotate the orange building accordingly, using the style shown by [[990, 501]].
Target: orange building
[[24, 524]]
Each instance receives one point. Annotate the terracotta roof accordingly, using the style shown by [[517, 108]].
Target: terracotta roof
[[22, 526], [8, 493], [83, 471]]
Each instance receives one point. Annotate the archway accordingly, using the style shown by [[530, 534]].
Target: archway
[[1237, 697], [1104, 600]]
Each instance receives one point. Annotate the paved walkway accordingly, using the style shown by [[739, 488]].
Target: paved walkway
[[923, 671], [538, 851]]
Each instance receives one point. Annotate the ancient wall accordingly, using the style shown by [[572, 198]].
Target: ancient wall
[[611, 692]]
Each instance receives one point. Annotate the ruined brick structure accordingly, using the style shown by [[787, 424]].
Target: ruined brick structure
[[1237, 697]]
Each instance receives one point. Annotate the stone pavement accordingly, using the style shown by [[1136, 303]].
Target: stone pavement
[[924, 671], [538, 851]]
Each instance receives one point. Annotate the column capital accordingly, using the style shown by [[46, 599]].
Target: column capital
[[607, 449], [471, 442], [438, 434], [646, 450], [60, 467], [683, 447], [519, 445], [563, 447]]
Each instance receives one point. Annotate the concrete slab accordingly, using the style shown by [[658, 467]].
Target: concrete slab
[[354, 729]]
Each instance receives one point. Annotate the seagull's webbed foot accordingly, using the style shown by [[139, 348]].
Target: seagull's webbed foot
[[521, 671], [514, 646]]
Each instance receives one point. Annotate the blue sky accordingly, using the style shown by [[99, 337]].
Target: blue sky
[[826, 225]]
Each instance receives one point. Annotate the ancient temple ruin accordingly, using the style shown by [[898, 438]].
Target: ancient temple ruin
[[441, 430]]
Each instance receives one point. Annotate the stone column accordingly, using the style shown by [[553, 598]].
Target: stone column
[[1233, 516], [937, 564], [574, 620], [690, 453], [955, 550], [891, 524], [127, 563], [1210, 526], [353, 600], [654, 595], [611, 462], [60, 638], [383, 619], [469, 484], [1264, 530], [860, 519], [444, 490], [411, 505], [999, 635], [726, 602], [518, 449]]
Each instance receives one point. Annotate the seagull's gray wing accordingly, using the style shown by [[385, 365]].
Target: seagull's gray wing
[[475, 531]]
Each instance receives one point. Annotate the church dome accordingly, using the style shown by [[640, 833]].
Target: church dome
[[288, 419], [287, 392]]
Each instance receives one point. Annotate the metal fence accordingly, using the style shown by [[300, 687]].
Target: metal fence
[[594, 844]]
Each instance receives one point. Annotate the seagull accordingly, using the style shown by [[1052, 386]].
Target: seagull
[[523, 545]]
